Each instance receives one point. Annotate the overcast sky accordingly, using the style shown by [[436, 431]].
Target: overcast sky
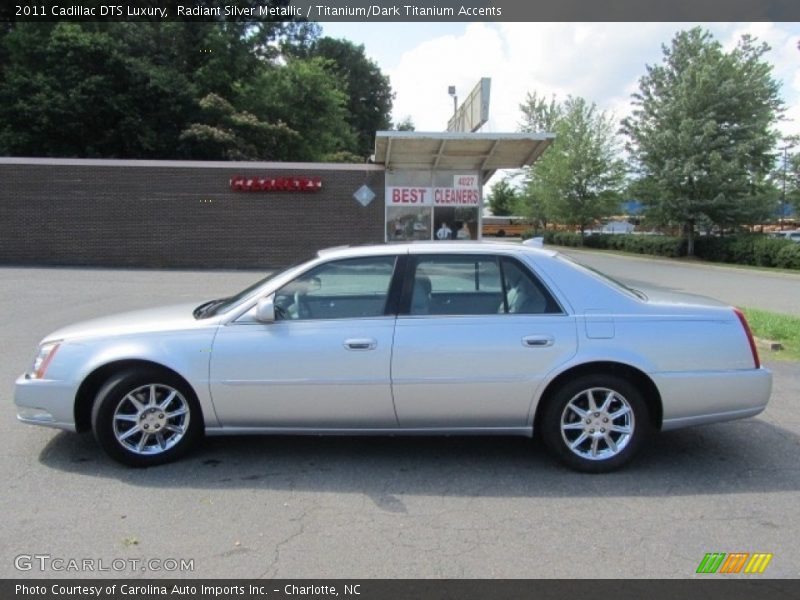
[[599, 61]]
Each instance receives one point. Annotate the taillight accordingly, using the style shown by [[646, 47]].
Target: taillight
[[750, 338]]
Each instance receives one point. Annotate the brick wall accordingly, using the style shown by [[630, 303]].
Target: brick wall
[[150, 214]]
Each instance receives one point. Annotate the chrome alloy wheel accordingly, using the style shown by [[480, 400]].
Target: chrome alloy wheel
[[151, 419], [597, 423]]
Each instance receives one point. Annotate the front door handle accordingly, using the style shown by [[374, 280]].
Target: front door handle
[[360, 344], [538, 341]]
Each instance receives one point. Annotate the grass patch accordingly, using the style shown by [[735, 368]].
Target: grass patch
[[776, 327]]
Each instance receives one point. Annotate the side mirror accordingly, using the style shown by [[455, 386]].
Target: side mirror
[[265, 309]]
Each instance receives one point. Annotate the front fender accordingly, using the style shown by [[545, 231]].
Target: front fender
[[186, 353]]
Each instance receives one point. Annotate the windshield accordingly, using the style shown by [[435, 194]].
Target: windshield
[[607, 278], [220, 305]]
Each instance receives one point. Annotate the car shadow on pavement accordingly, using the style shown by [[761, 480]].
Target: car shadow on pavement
[[740, 457]]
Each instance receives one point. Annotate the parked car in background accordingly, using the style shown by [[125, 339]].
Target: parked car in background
[[793, 236], [618, 227], [420, 338]]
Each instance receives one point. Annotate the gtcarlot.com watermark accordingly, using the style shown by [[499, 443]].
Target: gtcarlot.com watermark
[[60, 564]]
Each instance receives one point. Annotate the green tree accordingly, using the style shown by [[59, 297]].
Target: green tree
[[303, 96], [702, 130], [369, 93], [156, 90], [645, 191], [579, 178], [75, 90], [405, 124], [503, 199], [227, 134], [540, 114]]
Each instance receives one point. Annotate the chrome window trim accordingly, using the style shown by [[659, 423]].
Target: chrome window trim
[[339, 320], [487, 315]]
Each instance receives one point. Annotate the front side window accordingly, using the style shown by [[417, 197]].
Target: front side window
[[342, 289]]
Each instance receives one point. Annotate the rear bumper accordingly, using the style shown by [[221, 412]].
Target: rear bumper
[[44, 402], [695, 398]]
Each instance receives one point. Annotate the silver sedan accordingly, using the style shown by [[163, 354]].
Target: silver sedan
[[423, 338]]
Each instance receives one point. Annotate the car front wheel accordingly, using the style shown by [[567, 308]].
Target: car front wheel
[[147, 417], [596, 423]]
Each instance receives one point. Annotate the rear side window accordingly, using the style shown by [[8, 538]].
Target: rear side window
[[525, 294], [475, 285], [456, 285], [462, 275]]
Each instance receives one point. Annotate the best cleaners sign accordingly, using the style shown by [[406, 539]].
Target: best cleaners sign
[[465, 192]]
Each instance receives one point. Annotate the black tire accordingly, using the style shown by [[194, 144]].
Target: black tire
[[613, 447], [114, 415]]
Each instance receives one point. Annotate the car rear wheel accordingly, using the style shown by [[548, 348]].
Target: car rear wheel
[[146, 417], [596, 423]]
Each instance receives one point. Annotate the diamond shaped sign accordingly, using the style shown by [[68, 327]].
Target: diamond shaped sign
[[364, 195]]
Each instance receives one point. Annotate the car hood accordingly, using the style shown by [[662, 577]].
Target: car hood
[[165, 318]]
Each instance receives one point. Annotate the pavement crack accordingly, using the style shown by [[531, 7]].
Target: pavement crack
[[273, 565]]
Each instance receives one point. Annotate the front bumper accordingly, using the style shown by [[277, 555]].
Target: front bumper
[[45, 402], [700, 397]]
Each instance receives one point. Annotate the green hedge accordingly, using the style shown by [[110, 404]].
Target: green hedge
[[747, 249], [789, 256], [752, 249]]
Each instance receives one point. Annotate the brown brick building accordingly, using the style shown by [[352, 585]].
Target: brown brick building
[[191, 214], [179, 214]]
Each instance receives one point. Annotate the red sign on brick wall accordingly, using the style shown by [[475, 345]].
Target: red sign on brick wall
[[239, 183]]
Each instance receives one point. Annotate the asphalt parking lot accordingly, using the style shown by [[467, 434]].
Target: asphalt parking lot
[[776, 291], [391, 507]]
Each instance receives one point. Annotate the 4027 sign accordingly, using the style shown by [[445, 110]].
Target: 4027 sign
[[240, 183]]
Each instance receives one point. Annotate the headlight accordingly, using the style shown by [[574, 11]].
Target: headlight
[[42, 361]]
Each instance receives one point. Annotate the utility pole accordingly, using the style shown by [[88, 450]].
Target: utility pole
[[783, 191]]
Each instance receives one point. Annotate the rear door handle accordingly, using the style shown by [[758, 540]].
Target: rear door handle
[[360, 344], [538, 341]]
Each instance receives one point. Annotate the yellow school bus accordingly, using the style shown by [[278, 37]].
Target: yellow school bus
[[505, 226]]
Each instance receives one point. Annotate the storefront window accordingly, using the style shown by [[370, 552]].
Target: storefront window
[[462, 222], [432, 205], [404, 224]]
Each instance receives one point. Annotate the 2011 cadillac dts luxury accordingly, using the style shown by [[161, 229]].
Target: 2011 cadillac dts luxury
[[422, 338]]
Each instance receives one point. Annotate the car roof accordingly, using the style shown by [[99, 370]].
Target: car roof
[[439, 247]]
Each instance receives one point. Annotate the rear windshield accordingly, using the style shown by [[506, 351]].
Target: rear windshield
[[638, 294]]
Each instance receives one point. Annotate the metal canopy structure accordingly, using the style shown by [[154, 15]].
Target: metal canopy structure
[[484, 152]]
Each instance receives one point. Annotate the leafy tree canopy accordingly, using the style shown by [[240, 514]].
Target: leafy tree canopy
[[405, 124], [369, 94], [702, 130], [503, 199], [227, 89], [579, 178]]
